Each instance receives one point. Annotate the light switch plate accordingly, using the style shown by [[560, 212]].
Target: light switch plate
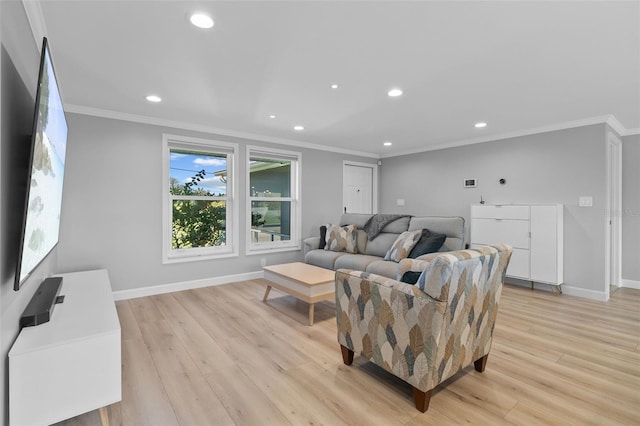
[[585, 201]]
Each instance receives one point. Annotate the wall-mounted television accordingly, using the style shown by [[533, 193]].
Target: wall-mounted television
[[43, 200]]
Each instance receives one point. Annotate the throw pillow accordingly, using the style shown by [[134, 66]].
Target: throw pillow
[[411, 277], [323, 237], [403, 245], [341, 238], [428, 243]]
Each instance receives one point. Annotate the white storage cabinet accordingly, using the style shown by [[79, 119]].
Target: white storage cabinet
[[534, 231]]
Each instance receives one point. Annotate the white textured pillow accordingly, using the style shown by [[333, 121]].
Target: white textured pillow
[[403, 245], [341, 238]]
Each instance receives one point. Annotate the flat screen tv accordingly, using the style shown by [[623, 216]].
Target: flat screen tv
[[43, 200]]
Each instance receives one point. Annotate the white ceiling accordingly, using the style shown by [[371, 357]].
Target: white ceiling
[[516, 65]]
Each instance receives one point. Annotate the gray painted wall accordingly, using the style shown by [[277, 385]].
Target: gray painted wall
[[554, 167], [631, 208], [18, 78], [111, 212]]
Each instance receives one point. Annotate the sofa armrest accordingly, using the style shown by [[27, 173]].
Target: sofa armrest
[[414, 265], [311, 243]]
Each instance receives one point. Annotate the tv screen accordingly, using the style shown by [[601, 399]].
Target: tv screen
[[43, 201]]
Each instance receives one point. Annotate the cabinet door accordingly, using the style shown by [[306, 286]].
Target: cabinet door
[[544, 244], [499, 231], [519, 264]]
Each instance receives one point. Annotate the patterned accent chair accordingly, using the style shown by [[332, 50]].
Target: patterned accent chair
[[427, 332]]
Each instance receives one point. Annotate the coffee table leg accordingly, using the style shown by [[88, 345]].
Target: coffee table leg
[[311, 308], [266, 293]]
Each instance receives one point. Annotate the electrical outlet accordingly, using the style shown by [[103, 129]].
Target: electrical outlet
[[263, 262], [585, 201], [400, 201]]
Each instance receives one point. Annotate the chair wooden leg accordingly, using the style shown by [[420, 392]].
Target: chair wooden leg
[[347, 355], [481, 363], [422, 399]]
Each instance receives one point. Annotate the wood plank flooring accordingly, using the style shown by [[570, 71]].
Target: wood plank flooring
[[220, 356]]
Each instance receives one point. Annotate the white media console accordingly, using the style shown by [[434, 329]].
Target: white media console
[[71, 364]]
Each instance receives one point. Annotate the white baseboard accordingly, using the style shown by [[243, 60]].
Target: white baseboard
[[587, 294], [185, 285], [630, 284]]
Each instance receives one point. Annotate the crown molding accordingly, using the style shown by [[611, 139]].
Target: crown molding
[[616, 125], [519, 133], [115, 115], [36, 21]]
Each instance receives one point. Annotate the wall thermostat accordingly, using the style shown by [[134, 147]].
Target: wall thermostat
[[470, 183]]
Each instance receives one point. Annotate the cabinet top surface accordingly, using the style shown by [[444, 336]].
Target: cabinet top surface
[[514, 204], [88, 310]]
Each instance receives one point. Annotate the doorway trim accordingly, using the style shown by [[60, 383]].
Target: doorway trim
[[374, 181], [613, 214]]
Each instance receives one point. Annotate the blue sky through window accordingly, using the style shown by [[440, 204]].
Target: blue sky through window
[[183, 166]]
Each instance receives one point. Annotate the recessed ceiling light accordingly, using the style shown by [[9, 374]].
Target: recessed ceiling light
[[272, 116], [334, 86], [153, 98], [481, 124], [201, 20], [394, 92], [387, 143], [298, 128]]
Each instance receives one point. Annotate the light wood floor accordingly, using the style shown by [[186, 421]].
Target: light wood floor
[[220, 356]]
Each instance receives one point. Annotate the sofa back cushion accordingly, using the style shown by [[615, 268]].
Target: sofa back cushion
[[398, 226], [361, 241], [451, 226], [381, 244], [357, 219]]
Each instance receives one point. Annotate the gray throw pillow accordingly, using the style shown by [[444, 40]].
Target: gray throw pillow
[[428, 243]]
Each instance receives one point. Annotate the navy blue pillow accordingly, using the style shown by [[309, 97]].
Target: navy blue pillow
[[410, 277], [323, 237], [428, 243]]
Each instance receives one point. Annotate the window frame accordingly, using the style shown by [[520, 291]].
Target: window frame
[[230, 249], [294, 242]]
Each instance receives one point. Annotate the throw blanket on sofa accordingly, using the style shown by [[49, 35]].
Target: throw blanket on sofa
[[377, 222]]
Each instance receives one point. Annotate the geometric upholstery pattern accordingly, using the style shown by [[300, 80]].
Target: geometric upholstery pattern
[[427, 332]]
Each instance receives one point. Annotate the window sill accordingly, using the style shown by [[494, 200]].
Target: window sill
[[196, 258], [271, 249]]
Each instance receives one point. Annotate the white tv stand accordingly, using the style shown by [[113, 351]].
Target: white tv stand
[[71, 364]]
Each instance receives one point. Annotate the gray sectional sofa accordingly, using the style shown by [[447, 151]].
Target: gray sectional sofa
[[370, 254]]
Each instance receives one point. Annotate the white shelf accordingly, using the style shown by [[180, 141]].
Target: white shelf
[[71, 364]]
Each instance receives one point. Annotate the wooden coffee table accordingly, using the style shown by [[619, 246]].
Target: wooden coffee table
[[308, 283]]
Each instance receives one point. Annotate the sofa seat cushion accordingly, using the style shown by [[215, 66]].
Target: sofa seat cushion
[[323, 258], [357, 262], [386, 268]]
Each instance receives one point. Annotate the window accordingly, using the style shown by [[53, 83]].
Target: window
[[199, 211], [273, 200]]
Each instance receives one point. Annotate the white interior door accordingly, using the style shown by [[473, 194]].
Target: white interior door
[[358, 188]]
